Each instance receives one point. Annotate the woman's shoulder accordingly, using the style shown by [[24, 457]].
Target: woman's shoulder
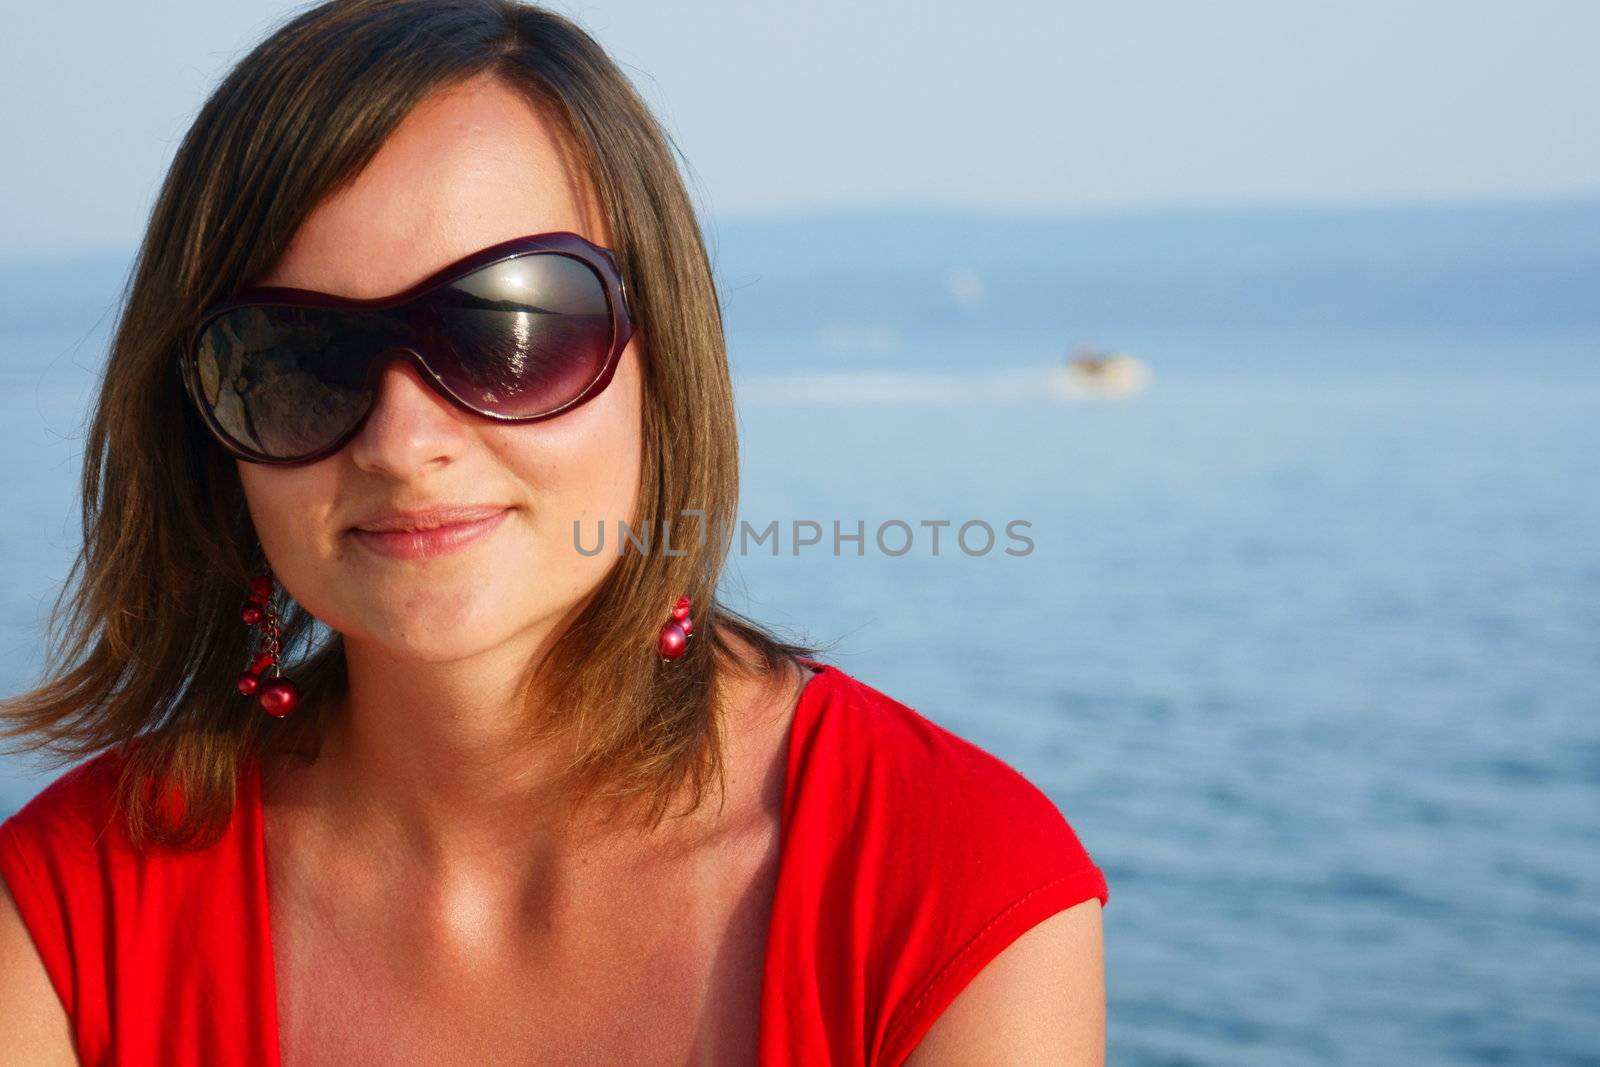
[[131, 938], [941, 793], [68, 859], [56, 861], [62, 851], [74, 813], [911, 858]]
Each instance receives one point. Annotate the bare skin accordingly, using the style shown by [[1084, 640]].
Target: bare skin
[[605, 948]]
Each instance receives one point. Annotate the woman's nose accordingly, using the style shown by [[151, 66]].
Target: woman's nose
[[411, 424]]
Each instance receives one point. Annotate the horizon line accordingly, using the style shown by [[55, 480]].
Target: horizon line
[[1132, 211]]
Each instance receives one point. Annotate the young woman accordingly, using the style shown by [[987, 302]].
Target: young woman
[[383, 762]]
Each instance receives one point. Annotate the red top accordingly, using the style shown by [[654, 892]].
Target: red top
[[909, 858]]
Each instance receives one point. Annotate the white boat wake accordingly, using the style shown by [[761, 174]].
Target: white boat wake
[[938, 390]]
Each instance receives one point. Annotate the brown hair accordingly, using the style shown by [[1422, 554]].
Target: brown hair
[[147, 652]]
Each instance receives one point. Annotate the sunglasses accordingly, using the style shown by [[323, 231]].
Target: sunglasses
[[521, 331]]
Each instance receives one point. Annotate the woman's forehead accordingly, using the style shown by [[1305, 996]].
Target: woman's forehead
[[470, 167]]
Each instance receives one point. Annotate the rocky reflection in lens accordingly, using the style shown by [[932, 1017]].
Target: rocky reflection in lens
[[287, 381]]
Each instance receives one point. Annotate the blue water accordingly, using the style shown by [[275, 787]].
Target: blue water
[[1311, 666], [1307, 649]]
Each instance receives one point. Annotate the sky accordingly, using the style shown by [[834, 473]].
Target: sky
[[1016, 105]]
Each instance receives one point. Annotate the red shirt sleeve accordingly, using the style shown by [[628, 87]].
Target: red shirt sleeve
[[1009, 860], [159, 956], [40, 910], [912, 858], [50, 859]]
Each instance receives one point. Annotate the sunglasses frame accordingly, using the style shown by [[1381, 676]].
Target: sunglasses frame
[[560, 242]]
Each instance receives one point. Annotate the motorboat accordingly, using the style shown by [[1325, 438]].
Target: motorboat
[[1092, 372]]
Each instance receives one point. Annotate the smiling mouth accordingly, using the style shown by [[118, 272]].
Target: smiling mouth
[[432, 541], [425, 519]]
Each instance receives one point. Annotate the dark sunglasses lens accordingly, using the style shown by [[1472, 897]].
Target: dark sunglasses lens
[[286, 382], [528, 335]]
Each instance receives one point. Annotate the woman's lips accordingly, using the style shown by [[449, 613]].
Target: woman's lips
[[426, 544]]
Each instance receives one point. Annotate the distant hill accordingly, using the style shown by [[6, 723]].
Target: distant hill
[[1485, 272], [1496, 266]]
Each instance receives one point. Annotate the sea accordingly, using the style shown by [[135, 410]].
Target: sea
[[1303, 640]]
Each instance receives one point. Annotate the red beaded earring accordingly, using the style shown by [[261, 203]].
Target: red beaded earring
[[677, 631], [279, 696]]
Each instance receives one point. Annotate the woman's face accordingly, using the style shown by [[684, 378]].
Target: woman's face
[[470, 167]]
